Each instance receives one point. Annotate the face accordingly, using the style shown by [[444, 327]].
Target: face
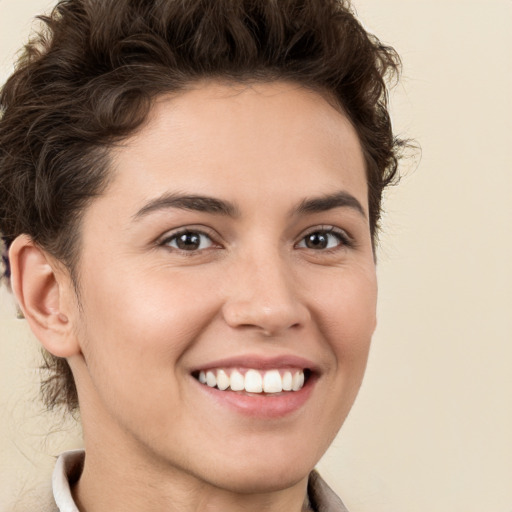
[[232, 246]]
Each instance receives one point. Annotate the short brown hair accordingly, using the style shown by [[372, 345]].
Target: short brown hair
[[89, 79]]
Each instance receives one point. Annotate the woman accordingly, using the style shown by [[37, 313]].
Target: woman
[[190, 196]]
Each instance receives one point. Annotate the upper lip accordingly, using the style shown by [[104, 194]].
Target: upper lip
[[257, 362]]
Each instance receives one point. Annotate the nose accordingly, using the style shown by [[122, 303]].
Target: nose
[[263, 296]]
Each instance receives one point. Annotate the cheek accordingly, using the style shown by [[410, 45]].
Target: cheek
[[135, 334], [347, 315], [145, 321]]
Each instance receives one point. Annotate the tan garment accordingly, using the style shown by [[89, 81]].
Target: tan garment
[[321, 496], [69, 466]]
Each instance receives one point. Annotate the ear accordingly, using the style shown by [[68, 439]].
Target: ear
[[45, 294]]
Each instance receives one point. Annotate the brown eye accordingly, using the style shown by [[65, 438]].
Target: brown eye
[[317, 241], [189, 241], [322, 239]]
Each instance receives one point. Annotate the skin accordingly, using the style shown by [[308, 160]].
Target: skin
[[150, 313]]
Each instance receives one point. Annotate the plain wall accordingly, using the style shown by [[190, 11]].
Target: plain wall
[[431, 429]]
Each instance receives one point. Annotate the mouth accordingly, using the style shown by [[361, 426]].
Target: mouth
[[257, 386], [251, 381]]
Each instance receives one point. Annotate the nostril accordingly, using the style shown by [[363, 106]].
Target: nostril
[[269, 320]]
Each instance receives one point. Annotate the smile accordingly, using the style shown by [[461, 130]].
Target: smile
[[254, 381]]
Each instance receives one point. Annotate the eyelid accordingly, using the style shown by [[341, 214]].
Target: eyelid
[[345, 239], [164, 239]]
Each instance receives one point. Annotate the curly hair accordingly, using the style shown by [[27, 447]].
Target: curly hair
[[89, 79]]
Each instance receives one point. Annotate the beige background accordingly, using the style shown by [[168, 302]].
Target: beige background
[[432, 427]]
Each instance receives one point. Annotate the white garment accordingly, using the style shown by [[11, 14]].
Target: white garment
[[68, 465]]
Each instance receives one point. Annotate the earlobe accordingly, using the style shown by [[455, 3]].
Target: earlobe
[[43, 294]]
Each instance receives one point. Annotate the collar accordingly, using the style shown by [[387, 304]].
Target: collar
[[67, 471]]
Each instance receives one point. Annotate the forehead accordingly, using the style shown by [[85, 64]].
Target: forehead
[[244, 140]]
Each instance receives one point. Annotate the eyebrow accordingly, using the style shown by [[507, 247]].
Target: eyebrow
[[221, 207], [328, 202], [189, 202]]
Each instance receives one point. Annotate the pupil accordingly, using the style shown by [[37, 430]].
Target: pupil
[[189, 241], [316, 241]]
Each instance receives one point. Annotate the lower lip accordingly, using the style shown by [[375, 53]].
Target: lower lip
[[263, 406]]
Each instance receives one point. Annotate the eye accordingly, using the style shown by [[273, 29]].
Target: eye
[[188, 240], [324, 239]]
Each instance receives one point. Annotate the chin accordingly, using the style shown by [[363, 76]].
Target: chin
[[261, 478], [267, 468]]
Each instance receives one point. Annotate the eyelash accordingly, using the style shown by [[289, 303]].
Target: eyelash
[[187, 231], [345, 241]]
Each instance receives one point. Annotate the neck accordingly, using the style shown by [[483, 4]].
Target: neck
[[113, 484]]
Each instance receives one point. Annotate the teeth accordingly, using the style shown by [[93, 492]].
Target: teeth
[[211, 379], [237, 381], [254, 381], [222, 380], [297, 381], [287, 381], [272, 382]]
